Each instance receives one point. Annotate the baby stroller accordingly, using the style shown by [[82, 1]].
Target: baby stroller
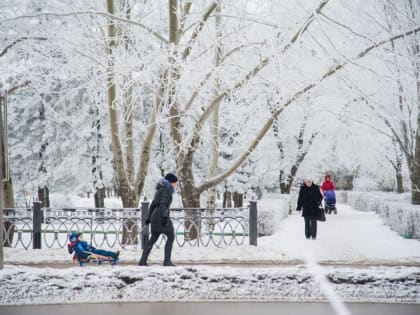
[[329, 200]]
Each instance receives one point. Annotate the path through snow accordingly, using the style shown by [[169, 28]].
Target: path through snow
[[351, 238]]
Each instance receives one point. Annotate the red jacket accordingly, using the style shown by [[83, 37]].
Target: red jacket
[[327, 185]]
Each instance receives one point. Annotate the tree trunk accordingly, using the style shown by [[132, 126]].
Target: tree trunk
[[189, 193], [415, 167], [214, 157], [285, 183], [294, 169], [415, 196], [128, 195], [118, 162], [214, 124], [8, 194], [100, 197], [190, 199], [1, 181], [9, 202], [284, 188], [128, 111], [44, 196], [130, 226], [415, 172], [237, 199], [400, 188], [227, 199]]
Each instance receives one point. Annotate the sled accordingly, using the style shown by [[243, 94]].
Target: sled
[[99, 259], [96, 258]]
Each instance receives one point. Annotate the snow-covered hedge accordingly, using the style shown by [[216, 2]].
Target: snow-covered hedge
[[395, 209], [271, 210]]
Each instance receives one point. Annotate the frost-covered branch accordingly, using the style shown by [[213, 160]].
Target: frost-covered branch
[[198, 29], [251, 74], [185, 11], [297, 95], [208, 75], [16, 87], [90, 13], [4, 51]]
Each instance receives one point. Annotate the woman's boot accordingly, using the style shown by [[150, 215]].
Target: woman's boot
[[144, 255]]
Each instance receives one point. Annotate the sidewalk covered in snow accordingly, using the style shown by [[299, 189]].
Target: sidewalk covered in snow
[[350, 238]]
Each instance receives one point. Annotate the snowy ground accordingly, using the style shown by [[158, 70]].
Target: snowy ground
[[363, 259], [130, 283]]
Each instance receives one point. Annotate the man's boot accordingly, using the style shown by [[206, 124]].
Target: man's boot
[[145, 254]]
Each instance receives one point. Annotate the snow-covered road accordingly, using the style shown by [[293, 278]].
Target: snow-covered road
[[211, 308]]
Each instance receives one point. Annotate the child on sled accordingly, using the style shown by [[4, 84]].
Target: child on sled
[[83, 252]]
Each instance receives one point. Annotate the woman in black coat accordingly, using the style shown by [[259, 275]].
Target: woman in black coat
[[309, 200], [159, 217]]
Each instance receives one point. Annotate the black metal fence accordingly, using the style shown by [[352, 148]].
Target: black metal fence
[[38, 227]]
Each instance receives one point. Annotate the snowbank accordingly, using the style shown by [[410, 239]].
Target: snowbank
[[395, 209], [271, 210], [20, 285]]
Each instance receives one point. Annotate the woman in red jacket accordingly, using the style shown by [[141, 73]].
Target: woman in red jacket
[[328, 184]]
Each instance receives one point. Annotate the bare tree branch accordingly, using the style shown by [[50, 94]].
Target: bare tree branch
[[4, 51], [16, 87]]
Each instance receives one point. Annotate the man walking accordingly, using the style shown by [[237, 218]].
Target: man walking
[[159, 217]]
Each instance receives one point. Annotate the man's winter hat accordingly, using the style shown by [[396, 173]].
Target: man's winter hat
[[171, 178], [73, 237]]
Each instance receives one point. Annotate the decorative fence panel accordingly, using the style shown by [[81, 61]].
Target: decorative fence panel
[[124, 228]]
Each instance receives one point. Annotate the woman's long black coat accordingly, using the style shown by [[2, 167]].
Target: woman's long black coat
[[309, 200], [159, 208]]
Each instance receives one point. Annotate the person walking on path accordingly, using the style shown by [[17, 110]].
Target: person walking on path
[[160, 220], [309, 199], [328, 184], [328, 190]]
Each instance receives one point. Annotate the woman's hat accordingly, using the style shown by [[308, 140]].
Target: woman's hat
[[171, 178]]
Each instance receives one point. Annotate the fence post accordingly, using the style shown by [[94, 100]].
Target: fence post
[[144, 227], [1, 184], [37, 224], [253, 223]]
